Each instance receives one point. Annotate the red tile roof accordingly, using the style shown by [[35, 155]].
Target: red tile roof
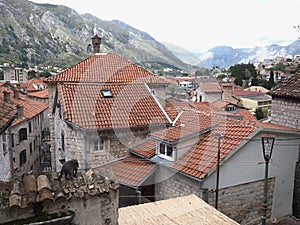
[[31, 107], [211, 88], [34, 85], [289, 88], [201, 158], [44, 94], [146, 149], [7, 112], [130, 105], [131, 171], [106, 68], [245, 93]]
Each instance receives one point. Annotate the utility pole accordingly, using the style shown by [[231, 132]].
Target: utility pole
[[218, 170]]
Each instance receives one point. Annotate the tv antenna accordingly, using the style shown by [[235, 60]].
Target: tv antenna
[[297, 29]]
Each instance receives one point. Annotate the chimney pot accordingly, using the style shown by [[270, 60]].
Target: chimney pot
[[96, 41], [16, 94], [20, 111], [6, 96]]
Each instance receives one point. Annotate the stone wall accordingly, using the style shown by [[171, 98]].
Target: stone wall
[[91, 198], [177, 185], [243, 203], [286, 112]]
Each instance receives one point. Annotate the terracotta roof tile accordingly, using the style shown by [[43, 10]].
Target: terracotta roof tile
[[33, 85], [130, 105], [31, 107], [106, 68], [289, 88], [44, 94], [145, 149], [7, 112], [211, 87], [137, 170], [201, 158], [33, 189]]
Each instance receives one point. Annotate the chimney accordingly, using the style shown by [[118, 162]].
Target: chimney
[[96, 41], [16, 94], [6, 96], [20, 111]]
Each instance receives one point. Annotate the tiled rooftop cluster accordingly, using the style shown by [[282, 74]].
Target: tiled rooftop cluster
[[290, 87], [86, 105], [31, 107], [7, 112], [106, 68], [37, 189], [199, 119], [138, 172], [106, 91]]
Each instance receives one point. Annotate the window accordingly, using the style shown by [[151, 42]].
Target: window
[[23, 134], [166, 151], [63, 141], [23, 157], [12, 140], [29, 127], [30, 148], [106, 93], [99, 145]]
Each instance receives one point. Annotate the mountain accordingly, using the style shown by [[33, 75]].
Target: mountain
[[45, 34], [226, 56], [183, 54]]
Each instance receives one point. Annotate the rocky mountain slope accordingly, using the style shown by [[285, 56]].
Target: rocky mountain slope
[[45, 34], [225, 56]]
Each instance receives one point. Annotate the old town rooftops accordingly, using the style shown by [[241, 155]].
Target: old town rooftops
[[289, 88], [107, 106], [106, 68], [33, 189]]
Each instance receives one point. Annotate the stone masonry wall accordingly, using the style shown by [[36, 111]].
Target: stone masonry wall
[[243, 203], [286, 112], [177, 186]]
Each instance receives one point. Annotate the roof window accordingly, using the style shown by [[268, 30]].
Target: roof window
[[106, 93]]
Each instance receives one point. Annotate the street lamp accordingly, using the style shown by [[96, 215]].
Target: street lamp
[[267, 145]]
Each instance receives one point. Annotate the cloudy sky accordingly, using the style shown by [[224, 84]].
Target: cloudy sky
[[201, 25]]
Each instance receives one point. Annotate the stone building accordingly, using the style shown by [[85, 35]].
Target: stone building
[[7, 116], [90, 198], [25, 130], [100, 106], [286, 112], [186, 157]]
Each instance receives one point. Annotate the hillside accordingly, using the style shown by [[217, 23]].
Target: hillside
[[226, 56], [45, 34]]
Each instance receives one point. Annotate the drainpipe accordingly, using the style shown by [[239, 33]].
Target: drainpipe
[[218, 170], [138, 195]]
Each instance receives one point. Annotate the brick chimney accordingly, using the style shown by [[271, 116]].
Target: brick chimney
[[6, 96], [16, 94], [96, 41], [20, 111]]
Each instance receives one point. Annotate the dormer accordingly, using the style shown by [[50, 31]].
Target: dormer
[[165, 150]]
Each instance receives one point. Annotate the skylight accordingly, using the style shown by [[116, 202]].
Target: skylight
[[106, 93]]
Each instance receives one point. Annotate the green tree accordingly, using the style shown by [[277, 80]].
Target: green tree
[[280, 66], [259, 114]]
